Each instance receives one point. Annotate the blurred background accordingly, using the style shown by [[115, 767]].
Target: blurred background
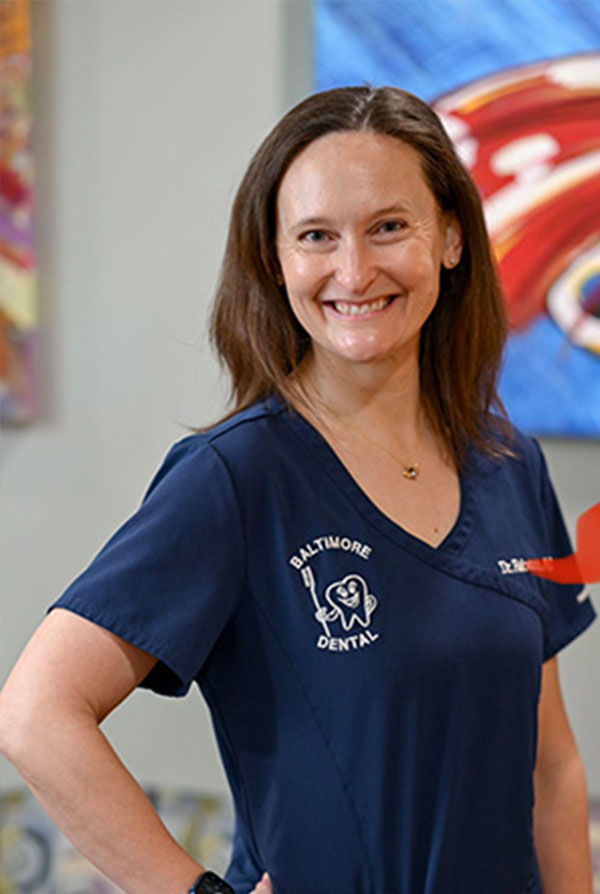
[[145, 115]]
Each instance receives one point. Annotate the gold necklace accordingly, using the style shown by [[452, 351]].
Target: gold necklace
[[410, 471]]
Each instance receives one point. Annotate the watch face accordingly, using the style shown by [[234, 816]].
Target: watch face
[[209, 883]]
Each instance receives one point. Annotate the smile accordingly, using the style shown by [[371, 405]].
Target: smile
[[354, 309]]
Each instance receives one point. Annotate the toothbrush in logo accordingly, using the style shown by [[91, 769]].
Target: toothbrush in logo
[[308, 579]]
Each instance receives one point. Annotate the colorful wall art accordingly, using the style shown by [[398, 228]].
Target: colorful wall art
[[18, 315], [518, 88]]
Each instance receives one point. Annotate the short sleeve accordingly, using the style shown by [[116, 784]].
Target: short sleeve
[[570, 608], [168, 580]]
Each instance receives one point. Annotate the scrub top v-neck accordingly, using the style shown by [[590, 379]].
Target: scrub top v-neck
[[374, 698], [454, 540]]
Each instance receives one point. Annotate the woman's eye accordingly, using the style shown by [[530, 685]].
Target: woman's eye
[[315, 237], [391, 226]]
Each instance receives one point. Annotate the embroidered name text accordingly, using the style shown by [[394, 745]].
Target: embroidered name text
[[330, 541], [512, 566], [346, 643]]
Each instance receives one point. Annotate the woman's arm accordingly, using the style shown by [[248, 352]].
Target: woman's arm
[[561, 818], [70, 676]]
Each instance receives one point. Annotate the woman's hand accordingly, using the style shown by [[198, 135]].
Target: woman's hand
[[265, 886]]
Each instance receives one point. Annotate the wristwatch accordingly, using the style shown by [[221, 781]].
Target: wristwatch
[[209, 883]]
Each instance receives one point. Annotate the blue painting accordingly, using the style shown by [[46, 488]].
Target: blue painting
[[517, 86]]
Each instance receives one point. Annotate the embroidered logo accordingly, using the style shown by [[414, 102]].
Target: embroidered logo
[[345, 608], [350, 601]]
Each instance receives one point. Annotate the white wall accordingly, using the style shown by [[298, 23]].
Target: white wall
[[146, 114]]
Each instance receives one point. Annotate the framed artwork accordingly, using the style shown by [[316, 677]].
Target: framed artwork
[[517, 86], [18, 315]]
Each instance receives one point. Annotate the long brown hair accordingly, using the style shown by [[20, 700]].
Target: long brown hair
[[258, 337]]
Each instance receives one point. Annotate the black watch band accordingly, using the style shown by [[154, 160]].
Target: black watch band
[[209, 883]]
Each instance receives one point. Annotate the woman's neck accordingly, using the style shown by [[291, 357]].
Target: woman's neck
[[381, 400]]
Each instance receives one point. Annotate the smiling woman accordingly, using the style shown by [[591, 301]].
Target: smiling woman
[[381, 161], [327, 561]]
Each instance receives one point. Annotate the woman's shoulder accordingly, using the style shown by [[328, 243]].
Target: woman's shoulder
[[518, 447], [247, 436], [523, 465], [253, 421]]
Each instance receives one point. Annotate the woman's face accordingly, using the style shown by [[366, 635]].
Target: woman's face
[[360, 241]]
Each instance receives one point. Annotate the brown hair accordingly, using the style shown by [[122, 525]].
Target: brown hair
[[258, 337]]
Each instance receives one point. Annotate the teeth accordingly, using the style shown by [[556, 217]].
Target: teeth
[[353, 310]]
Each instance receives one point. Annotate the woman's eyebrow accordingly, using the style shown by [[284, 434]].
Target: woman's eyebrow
[[310, 222], [397, 208]]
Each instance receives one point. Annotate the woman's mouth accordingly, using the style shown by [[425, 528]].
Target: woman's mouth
[[360, 309]]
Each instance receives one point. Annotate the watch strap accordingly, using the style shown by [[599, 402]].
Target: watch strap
[[210, 883]]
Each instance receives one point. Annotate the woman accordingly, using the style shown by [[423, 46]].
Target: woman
[[327, 561]]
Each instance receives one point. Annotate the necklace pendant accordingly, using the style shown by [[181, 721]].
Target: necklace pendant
[[411, 471]]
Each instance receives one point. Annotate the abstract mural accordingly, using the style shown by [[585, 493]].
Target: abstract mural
[[518, 88], [18, 315]]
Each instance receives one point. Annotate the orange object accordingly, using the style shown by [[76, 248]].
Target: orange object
[[583, 567]]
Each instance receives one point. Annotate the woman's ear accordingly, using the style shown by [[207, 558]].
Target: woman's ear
[[454, 243]]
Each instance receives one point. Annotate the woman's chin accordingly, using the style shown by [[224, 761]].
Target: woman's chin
[[361, 351], [365, 349]]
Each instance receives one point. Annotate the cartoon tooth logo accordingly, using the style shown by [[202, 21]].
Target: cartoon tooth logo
[[350, 601]]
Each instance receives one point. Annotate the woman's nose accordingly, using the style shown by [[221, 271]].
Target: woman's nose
[[355, 266]]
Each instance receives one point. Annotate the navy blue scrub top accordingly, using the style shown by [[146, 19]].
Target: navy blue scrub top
[[374, 698]]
